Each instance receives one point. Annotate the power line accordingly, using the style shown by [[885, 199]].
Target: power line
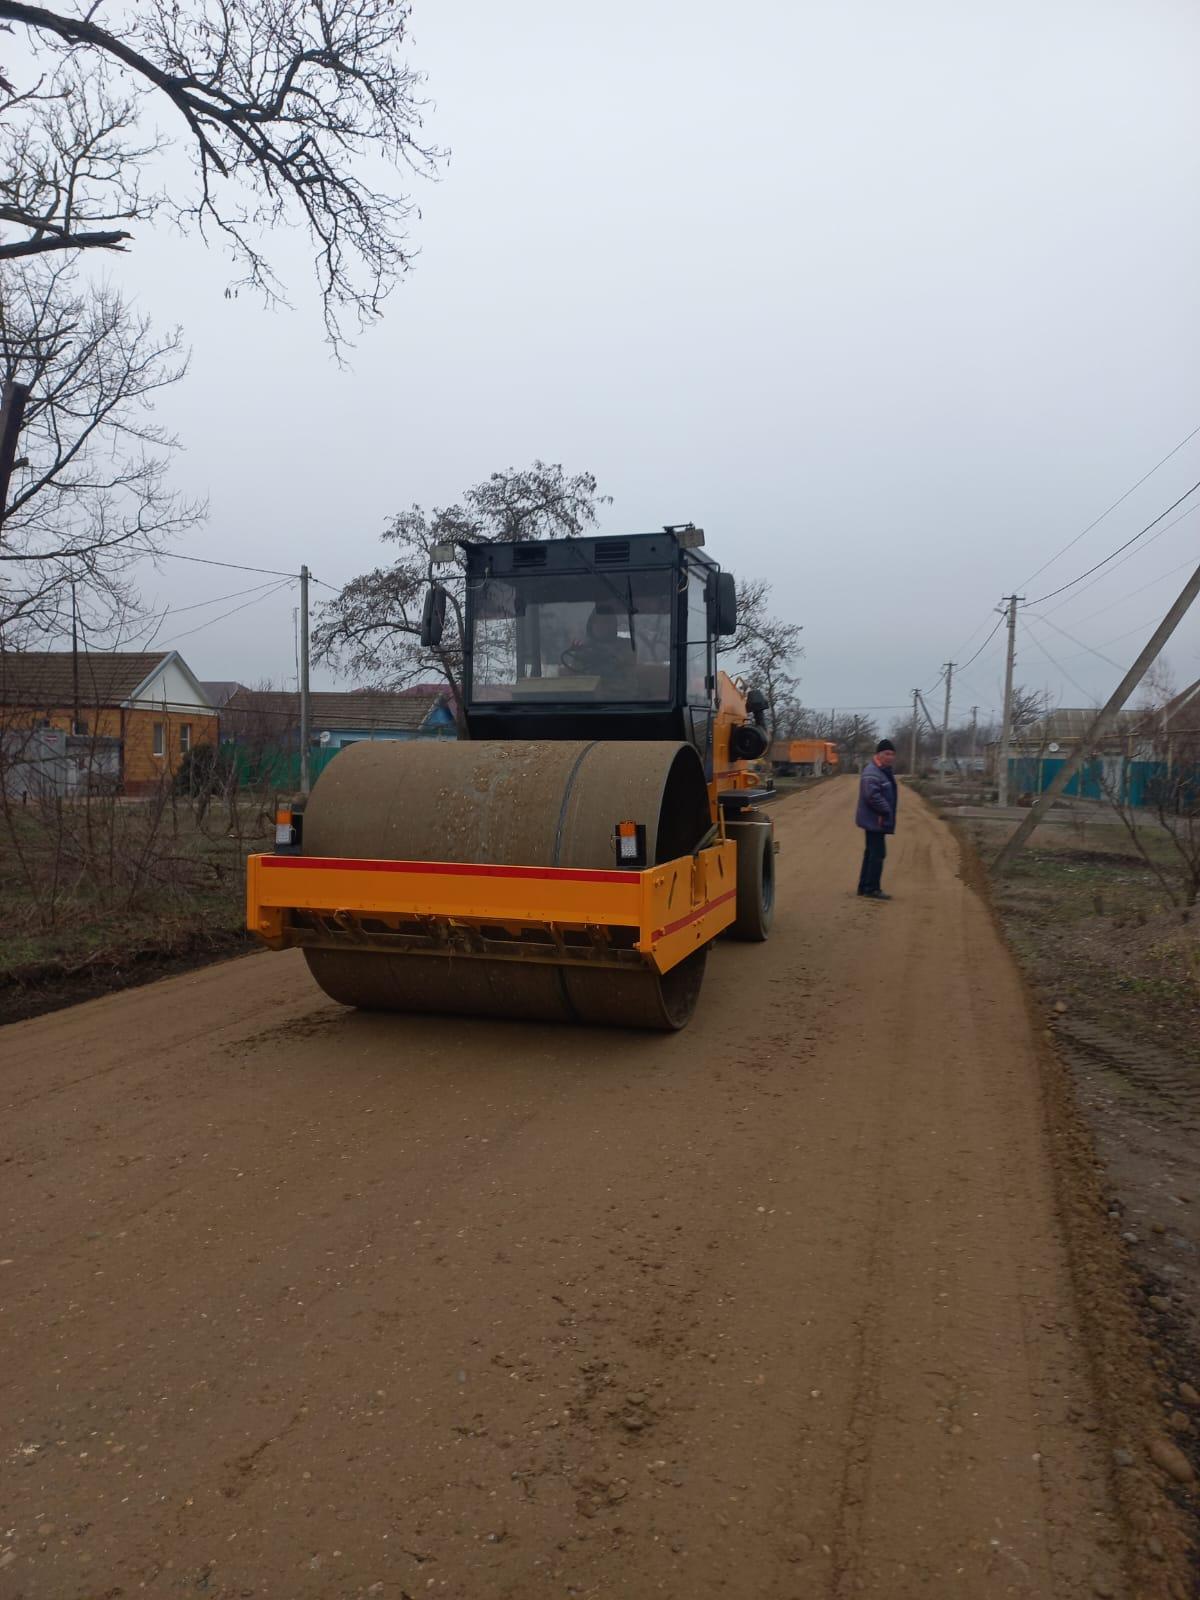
[[238, 566], [234, 566], [1070, 637], [1064, 587], [198, 605], [1113, 604], [1166, 528], [1071, 545], [986, 642], [212, 621], [1058, 667]]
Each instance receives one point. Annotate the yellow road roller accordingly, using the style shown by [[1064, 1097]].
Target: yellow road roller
[[573, 856]]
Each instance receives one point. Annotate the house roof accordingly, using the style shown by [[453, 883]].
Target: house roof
[[220, 690], [45, 680], [1069, 724], [360, 708], [1181, 714]]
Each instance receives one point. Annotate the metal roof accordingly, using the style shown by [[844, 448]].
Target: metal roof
[[359, 708]]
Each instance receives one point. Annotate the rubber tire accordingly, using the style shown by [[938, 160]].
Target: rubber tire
[[755, 881]]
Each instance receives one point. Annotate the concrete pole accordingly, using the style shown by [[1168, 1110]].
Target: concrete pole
[[304, 717], [1006, 727], [949, 670], [912, 757], [974, 734], [1103, 721]]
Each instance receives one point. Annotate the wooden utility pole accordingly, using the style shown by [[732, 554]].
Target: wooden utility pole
[[1104, 720], [949, 671], [912, 755], [974, 732], [1013, 601], [304, 773]]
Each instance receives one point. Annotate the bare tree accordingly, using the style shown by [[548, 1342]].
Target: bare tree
[[764, 648], [372, 628], [90, 493], [282, 107], [1029, 707], [1159, 687]]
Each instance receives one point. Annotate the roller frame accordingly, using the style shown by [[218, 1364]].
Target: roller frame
[[664, 913]]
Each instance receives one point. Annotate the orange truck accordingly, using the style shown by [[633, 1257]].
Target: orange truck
[[804, 758]]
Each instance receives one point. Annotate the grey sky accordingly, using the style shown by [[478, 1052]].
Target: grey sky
[[892, 299]]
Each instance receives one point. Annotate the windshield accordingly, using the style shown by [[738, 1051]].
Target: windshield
[[573, 636]]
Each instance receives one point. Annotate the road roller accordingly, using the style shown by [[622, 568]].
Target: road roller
[[573, 855]]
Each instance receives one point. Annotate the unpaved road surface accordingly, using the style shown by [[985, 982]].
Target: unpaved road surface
[[305, 1303]]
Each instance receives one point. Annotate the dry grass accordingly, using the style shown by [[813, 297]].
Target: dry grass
[[104, 891], [1094, 926]]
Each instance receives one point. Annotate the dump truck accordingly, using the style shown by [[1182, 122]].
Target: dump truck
[[804, 758], [577, 853]]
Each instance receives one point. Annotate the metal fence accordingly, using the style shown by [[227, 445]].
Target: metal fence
[[49, 763]]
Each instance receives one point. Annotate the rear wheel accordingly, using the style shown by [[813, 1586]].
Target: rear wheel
[[755, 880]]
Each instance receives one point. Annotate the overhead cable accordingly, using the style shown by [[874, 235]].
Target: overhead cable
[[1064, 587], [1058, 667], [1116, 567], [212, 621], [1071, 545]]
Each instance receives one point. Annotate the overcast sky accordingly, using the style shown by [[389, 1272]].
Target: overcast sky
[[893, 300]]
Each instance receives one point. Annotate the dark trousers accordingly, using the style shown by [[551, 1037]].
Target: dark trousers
[[874, 854]]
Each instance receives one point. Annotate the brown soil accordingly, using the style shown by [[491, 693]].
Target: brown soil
[[307, 1303]]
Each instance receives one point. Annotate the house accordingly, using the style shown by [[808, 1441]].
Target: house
[[1136, 752], [145, 710], [1171, 732], [263, 725]]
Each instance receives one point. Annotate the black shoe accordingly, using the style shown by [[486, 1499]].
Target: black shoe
[[874, 894]]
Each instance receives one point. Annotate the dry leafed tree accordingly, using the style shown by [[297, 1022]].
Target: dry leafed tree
[[371, 629], [293, 113], [90, 493]]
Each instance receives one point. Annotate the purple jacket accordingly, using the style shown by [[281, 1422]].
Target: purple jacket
[[877, 798]]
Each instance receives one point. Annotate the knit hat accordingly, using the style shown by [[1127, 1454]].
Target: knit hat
[[884, 744]]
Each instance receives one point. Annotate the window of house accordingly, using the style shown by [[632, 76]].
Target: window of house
[[160, 742], [185, 737], [79, 728]]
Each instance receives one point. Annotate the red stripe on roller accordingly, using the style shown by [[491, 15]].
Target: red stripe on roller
[[693, 916], [448, 869]]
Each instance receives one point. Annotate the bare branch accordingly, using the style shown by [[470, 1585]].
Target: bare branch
[[281, 104]]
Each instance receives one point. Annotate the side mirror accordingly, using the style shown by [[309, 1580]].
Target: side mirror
[[433, 616], [724, 605]]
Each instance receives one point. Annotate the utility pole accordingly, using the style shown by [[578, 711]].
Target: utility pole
[[1103, 721], [304, 775], [974, 733], [1012, 601], [912, 757], [949, 667], [74, 662]]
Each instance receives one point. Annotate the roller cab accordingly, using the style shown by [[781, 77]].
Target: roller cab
[[576, 855]]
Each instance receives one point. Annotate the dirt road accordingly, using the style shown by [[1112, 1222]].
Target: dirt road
[[305, 1303]]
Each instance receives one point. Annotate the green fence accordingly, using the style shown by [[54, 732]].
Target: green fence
[[273, 769]]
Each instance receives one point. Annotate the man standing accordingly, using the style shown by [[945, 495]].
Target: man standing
[[876, 816]]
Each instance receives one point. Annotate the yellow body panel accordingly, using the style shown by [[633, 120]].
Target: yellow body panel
[[669, 910]]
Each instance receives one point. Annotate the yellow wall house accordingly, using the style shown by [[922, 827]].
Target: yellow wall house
[[151, 703]]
